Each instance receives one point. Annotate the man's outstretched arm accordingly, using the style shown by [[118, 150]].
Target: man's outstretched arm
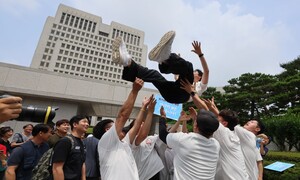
[[197, 49], [144, 131], [139, 119], [127, 107]]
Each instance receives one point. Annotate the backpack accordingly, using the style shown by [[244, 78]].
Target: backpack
[[43, 170]]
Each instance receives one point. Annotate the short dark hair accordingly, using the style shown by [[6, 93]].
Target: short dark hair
[[62, 121], [76, 119], [261, 125], [207, 123], [200, 73], [230, 117], [25, 126], [100, 127], [4, 130], [40, 128]]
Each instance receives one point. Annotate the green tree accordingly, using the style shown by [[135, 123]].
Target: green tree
[[286, 94], [248, 94]]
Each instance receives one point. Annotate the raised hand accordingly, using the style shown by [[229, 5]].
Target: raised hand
[[151, 105], [197, 47], [146, 101], [162, 111], [211, 105], [186, 85], [137, 84], [184, 116], [193, 113]]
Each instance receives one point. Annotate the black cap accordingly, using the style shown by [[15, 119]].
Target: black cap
[[207, 122]]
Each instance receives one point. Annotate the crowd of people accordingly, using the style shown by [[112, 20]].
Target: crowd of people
[[218, 147]]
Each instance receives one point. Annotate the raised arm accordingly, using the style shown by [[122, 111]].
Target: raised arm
[[144, 131], [139, 119], [163, 132], [127, 107], [211, 105], [187, 86], [198, 51], [183, 117]]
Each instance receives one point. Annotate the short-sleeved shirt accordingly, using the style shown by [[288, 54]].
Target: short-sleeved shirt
[[231, 163], [19, 138], [251, 153], [115, 156], [200, 88], [54, 139], [147, 160], [73, 158], [196, 156], [33, 155]]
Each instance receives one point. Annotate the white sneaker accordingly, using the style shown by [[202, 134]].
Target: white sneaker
[[162, 50], [120, 54]]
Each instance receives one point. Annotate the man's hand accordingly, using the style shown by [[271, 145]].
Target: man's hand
[[162, 112], [211, 105], [137, 85], [151, 105], [197, 47], [146, 101], [10, 108], [184, 116], [193, 113], [187, 86]]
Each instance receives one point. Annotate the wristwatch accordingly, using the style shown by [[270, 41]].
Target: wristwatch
[[192, 93]]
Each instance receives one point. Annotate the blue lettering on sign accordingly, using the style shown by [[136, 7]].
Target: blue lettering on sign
[[172, 110]]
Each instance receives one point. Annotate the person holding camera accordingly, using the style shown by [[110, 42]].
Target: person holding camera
[[10, 108]]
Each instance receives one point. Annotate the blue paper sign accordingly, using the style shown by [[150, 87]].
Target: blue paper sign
[[279, 166], [172, 110]]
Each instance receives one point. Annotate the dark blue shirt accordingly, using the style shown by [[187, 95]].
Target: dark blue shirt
[[26, 158]]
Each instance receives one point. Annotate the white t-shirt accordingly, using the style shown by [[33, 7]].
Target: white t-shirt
[[147, 160], [231, 164], [251, 153], [196, 156], [200, 88], [116, 159]]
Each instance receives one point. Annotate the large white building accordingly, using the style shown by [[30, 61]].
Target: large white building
[[78, 43]]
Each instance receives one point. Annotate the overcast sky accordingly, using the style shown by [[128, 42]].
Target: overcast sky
[[237, 36]]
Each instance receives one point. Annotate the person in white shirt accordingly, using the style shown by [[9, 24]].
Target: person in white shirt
[[115, 156], [196, 153], [253, 159], [231, 163], [148, 162]]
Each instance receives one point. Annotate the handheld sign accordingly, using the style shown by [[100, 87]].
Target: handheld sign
[[279, 166], [172, 110]]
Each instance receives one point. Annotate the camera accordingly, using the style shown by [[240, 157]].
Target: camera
[[36, 114]]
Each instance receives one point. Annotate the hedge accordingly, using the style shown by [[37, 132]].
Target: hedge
[[289, 157]]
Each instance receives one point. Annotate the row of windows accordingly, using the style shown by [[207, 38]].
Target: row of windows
[[89, 70], [89, 40], [89, 64], [78, 32], [77, 22], [109, 75], [127, 37]]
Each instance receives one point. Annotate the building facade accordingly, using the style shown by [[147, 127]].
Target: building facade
[[78, 43]]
